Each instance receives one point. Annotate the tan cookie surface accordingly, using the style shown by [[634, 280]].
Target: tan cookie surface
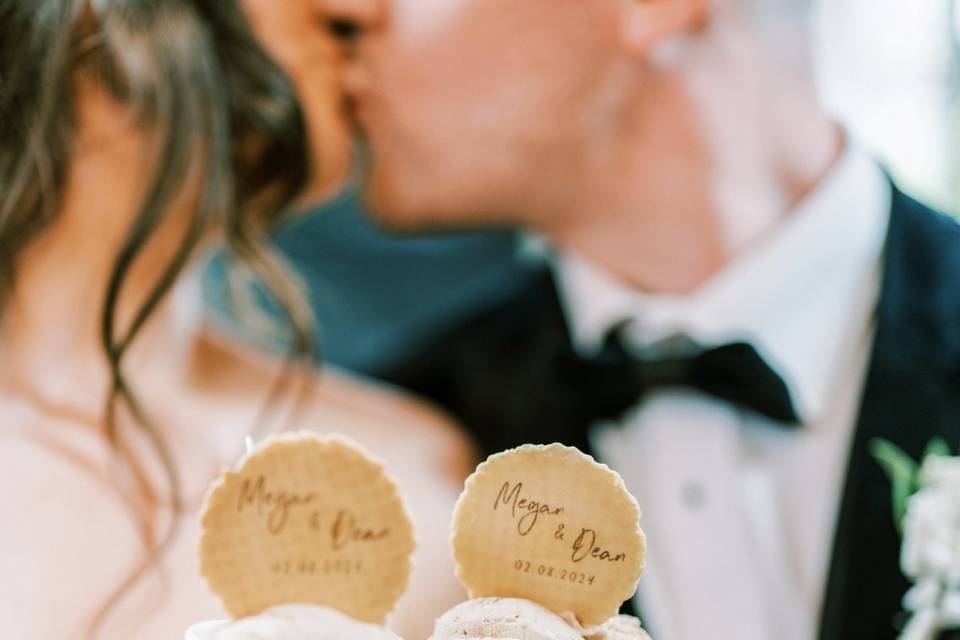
[[307, 519], [549, 524]]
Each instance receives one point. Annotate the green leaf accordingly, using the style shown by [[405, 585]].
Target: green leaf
[[902, 471], [937, 447]]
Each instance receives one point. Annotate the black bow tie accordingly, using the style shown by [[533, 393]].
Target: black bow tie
[[535, 388], [615, 379]]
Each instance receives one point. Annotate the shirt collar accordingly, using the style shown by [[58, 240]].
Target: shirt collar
[[790, 295]]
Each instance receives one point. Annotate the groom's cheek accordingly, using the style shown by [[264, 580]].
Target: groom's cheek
[[418, 21]]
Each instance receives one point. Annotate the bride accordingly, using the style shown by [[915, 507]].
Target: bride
[[135, 136]]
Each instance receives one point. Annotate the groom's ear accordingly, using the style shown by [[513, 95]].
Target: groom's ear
[[645, 23]]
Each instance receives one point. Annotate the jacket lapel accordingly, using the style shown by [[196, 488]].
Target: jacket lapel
[[911, 395]]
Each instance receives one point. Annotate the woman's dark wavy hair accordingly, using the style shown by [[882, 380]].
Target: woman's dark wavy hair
[[224, 116]]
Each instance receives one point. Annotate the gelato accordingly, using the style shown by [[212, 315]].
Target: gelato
[[290, 622], [518, 619]]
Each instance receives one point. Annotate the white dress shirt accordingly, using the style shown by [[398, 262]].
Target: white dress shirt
[[740, 513]]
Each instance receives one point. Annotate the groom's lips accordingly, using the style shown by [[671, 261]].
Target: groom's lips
[[355, 110], [356, 83], [351, 108], [364, 100]]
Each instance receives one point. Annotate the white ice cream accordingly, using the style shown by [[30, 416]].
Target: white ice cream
[[518, 619], [290, 622]]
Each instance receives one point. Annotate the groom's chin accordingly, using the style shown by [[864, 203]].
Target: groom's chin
[[403, 206], [390, 207], [393, 215], [400, 213], [426, 196]]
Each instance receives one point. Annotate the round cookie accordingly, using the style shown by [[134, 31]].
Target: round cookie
[[549, 524], [307, 519]]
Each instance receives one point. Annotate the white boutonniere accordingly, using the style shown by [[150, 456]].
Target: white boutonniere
[[926, 507]]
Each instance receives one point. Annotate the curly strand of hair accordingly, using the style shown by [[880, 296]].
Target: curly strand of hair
[[169, 114], [266, 119], [274, 194], [286, 291]]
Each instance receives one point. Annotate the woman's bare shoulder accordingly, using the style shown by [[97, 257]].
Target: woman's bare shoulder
[[383, 418], [395, 423]]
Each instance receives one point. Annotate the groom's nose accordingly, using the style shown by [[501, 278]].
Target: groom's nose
[[348, 17]]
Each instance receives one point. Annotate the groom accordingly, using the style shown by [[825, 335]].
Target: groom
[[736, 303]]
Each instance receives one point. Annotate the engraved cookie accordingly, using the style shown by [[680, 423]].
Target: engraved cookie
[[310, 520], [551, 525]]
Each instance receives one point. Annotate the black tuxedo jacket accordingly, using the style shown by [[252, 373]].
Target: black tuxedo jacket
[[488, 375]]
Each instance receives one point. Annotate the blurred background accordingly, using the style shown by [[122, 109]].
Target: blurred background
[[888, 69]]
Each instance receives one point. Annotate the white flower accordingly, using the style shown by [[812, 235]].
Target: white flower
[[923, 595], [931, 534], [923, 625], [940, 471], [930, 555], [950, 608], [930, 525]]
